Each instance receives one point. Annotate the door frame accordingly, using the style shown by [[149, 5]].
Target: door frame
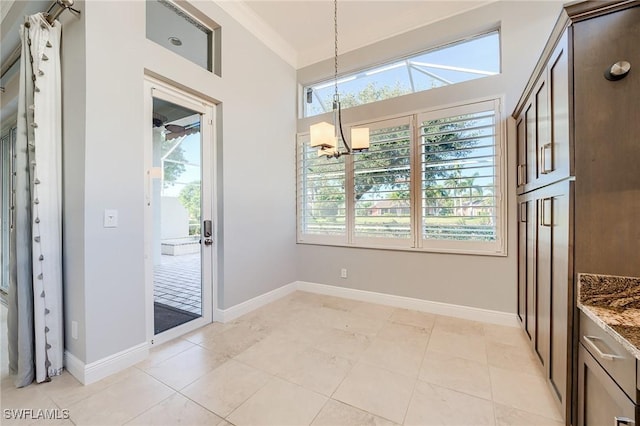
[[154, 88]]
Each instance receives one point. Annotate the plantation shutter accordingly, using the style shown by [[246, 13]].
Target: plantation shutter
[[321, 195], [459, 158], [382, 185]]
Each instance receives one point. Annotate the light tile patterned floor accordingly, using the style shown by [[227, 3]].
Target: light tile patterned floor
[[177, 282], [316, 360]]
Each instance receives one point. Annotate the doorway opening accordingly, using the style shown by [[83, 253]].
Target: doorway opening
[[180, 242]]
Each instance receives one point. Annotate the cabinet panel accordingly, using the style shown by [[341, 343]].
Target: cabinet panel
[[543, 135], [619, 363], [526, 265], [521, 147], [532, 319], [561, 292], [530, 133], [522, 263], [607, 151], [557, 158], [600, 400], [544, 131], [545, 280]]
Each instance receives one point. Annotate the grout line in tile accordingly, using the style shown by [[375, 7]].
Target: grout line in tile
[[148, 409]]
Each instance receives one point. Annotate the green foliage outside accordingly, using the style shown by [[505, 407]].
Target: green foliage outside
[[190, 198]]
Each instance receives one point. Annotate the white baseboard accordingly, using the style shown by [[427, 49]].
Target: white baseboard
[[97, 370], [74, 366], [439, 308], [229, 314]]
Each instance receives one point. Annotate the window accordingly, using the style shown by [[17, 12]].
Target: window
[[7, 147], [465, 60], [171, 27], [430, 181], [459, 174], [382, 184], [321, 194]]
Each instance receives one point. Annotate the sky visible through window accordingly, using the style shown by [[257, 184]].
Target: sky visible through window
[[454, 63]]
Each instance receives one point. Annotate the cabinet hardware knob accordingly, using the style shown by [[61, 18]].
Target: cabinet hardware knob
[[617, 71]]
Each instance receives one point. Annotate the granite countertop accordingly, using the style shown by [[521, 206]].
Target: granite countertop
[[614, 304]]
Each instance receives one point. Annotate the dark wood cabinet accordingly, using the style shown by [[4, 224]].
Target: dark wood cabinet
[[607, 379], [600, 399], [545, 266], [578, 190], [542, 128], [608, 152]]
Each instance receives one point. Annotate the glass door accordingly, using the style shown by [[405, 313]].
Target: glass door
[[6, 156], [180, 241]]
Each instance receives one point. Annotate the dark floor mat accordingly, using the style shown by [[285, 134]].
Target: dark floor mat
[[166, 317]]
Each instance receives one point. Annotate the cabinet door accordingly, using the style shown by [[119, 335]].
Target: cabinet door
[[522, 263], [544, 131], [555, 158], [521, 147], [607, 148], [554, 284], [530, 144], [525, 264], [600, 400]]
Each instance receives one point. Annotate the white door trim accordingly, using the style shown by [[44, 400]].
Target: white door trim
[[158, 89]]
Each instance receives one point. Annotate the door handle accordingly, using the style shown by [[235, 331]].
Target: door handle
[[521, 175], [609, 357], [208, 241], [618, 421], [523, 212], [543, 159], [546, 212]]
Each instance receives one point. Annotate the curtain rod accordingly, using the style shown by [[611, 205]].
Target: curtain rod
[[56, 8]]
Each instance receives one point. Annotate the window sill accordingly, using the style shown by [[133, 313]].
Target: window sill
[[461, 251]]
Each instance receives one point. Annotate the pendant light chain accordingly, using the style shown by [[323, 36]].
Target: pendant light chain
[[335, 60], [329, 137]]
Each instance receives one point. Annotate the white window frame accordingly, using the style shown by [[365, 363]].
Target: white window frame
[[302, 138], [416, 242], [351, 213], [496, 247]]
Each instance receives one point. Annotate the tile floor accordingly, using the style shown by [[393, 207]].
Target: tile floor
[[315, 360]]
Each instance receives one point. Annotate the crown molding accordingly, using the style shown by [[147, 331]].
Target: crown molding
[[252, 22]]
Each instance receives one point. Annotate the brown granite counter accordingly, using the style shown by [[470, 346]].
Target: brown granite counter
[[614, 304]]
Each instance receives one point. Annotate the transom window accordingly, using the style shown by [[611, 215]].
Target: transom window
[[430, 181], [453, 63], [170, 26]]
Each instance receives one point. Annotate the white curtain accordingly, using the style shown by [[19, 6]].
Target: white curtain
[[35, 282]]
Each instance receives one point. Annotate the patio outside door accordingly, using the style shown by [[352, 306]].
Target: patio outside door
[[180, 240]]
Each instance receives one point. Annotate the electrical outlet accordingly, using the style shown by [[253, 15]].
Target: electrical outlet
[[343, 273], [74, 329]]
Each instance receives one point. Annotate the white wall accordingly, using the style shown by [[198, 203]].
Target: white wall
[[104, 158], [478, 281]]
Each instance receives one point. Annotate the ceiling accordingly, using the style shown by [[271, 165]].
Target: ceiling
[[306, 27], [301, 31]]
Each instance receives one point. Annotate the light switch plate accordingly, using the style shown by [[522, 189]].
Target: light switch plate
[[110, 218]]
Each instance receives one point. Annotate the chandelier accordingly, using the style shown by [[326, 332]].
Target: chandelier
[[329, 138]]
